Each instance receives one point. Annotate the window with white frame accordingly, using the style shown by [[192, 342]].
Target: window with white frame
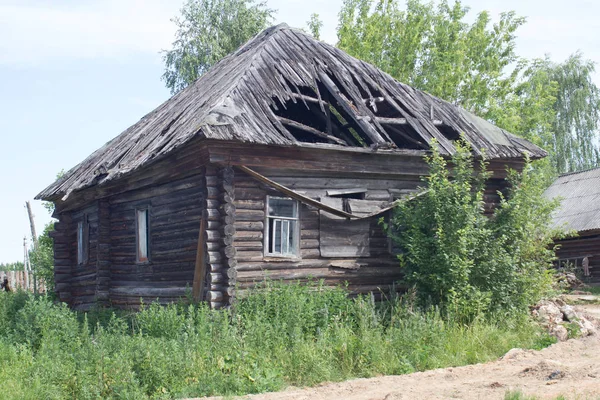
[[282, 227], [82, 241], [142, 235]]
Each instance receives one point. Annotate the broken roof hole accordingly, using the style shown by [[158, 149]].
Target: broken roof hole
[[449, 132]]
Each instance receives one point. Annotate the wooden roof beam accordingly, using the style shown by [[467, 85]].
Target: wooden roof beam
[[334, 91], [295, 195], [312, 130], [310, 99], [402, 121]]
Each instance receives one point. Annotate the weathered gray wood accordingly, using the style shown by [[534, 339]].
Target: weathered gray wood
[[295, 195], [314, 131], [340, 237], [200, 268], [341, 192]]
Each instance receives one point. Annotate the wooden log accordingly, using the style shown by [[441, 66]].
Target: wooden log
[[249, 226], [248, 236], [228, 230], [229, 251], [216, 267], [312, 130], [212, 236], [200, 267], [214, 296], [249, 204], [214, 257], [256, 245], [249, 256], [213, 224], [217, 278], [309, 244], [309, 233], [250, 215]]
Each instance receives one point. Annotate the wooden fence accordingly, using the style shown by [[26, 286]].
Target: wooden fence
[[21, 280]]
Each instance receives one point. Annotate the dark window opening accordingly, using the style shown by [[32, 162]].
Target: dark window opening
[[142, 233], [356, 193], [83, 240]]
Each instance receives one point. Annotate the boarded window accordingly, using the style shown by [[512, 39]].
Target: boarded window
[[340, 237], [282, 228], [142, 235], [82, 241]]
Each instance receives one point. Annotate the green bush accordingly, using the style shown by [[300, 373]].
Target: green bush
[[277, 336], [469, 263]]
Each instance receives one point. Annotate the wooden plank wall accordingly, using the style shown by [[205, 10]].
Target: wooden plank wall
[[83, 277], [63, 259], [175, 209], [585, 245], [363, 275]]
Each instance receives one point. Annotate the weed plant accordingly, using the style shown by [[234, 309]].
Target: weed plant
[[278, 336]]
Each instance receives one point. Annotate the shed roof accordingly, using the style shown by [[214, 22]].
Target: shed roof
[[255, 95], [580, 205]]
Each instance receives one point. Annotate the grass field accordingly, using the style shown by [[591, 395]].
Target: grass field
[[279, 336]]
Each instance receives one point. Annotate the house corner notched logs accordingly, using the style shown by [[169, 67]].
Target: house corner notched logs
[[220, 254], [227, 211]]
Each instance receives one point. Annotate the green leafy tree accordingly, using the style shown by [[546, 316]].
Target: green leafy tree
[[474, 64], [314, 26], [16, 266], [208, 30], [577, 108], [457, 257], [42, 259], [433, 48]]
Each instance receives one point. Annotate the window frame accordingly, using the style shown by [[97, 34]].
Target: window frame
[[83, 241], [148, 259], [267, 231]]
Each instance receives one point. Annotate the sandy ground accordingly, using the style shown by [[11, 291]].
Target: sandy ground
[[571, 369]]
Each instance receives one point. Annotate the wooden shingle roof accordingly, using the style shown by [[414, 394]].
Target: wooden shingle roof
[[580, 200], [259, 94]]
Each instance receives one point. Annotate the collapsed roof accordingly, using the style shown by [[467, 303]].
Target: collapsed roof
[[285, 88], [580, 200]]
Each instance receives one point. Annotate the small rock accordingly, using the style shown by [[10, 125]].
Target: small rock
[[559, 332], [549, 313], [513, 354], [569, 313], [556, 375], [586, 328]]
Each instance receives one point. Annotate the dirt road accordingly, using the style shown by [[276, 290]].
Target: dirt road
[[571, 369]]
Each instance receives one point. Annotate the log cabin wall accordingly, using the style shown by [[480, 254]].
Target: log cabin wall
[[83, 275], [375, 272], [63, 259], [174, 212], [573, 251], [363, 274], [180, 189]]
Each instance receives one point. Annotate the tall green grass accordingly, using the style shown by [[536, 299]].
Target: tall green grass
[[278, 336]]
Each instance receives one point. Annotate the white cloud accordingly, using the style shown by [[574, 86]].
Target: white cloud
[[33, 35]]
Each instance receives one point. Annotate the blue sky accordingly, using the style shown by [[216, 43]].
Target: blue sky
[[76, 73]]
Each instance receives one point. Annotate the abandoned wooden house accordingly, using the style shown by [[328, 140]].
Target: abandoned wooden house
[[579, 211], [278, 162]]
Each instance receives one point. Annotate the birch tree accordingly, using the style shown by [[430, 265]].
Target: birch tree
[[207, 31]]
